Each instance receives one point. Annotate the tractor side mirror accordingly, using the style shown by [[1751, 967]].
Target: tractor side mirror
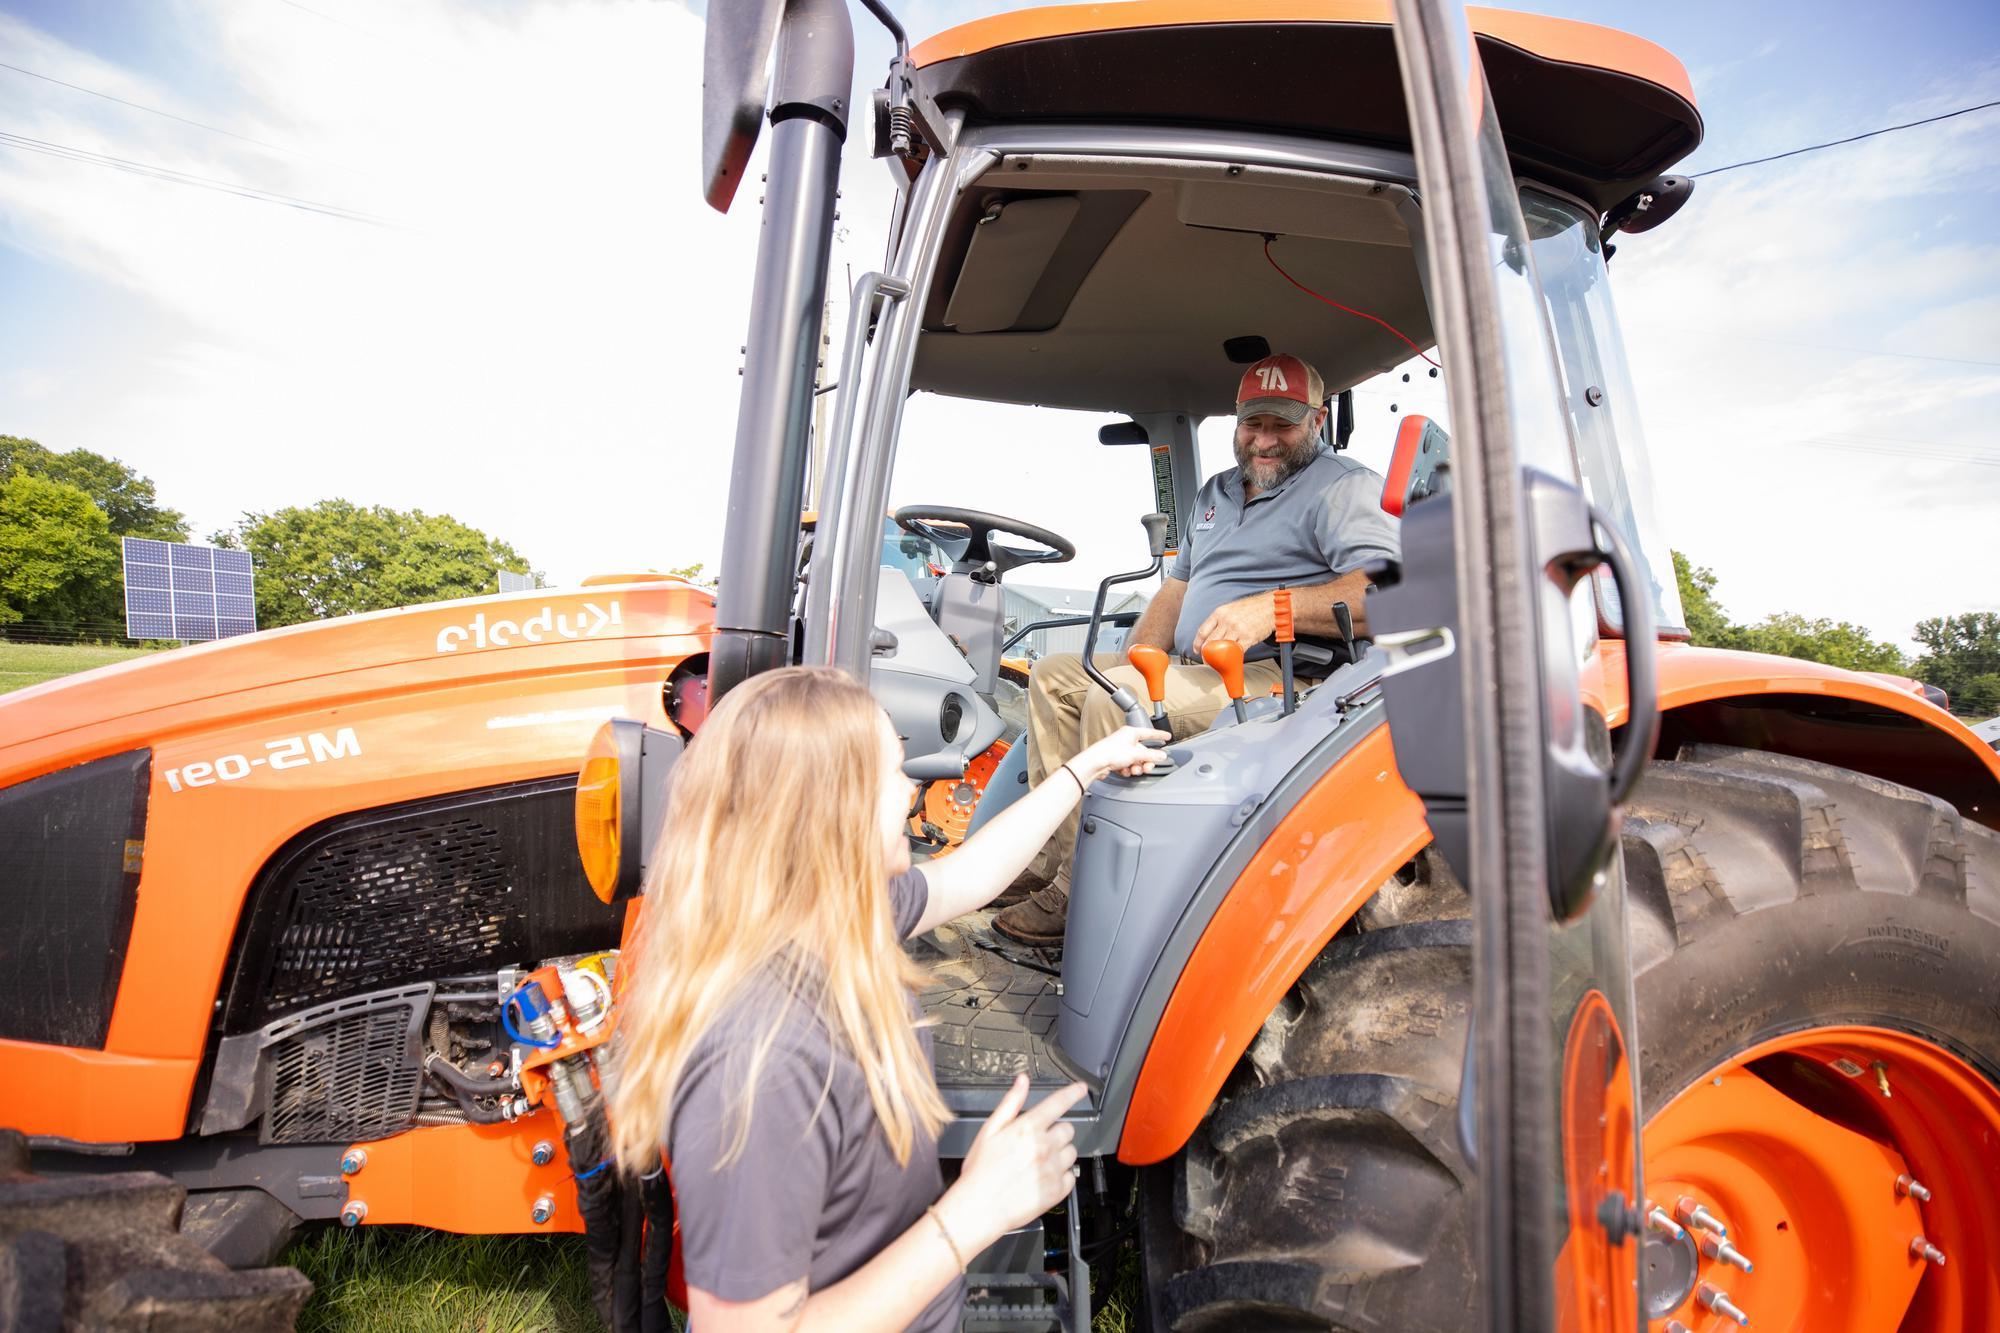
[[735, 76]]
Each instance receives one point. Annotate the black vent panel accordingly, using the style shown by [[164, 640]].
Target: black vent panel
[[416, 892], [345, 1072], [410, 900], [71, 845]]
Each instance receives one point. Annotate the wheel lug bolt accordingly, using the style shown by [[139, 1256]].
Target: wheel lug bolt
[[1689, 1212], [1907, 1184], [1923, 1249], [353, 1214], [1717, 1248], [1718, 1300], [1662, 1222]]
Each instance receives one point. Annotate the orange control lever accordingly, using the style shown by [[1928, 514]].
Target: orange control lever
[[1151, 663], [1281, 609], [1225, 658]]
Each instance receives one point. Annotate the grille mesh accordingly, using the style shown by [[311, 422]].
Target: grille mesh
[[409, 898], [347, 1072]]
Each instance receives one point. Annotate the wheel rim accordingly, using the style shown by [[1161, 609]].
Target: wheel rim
[[1817, 1175]]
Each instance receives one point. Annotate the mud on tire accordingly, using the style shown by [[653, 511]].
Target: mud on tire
[[105, 1252], [1767, 894]]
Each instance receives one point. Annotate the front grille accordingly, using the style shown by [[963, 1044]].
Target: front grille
[[441, 887], [427, 896], [346, 1071]]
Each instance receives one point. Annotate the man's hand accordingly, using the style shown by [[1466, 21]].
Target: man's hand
[[1247, 620]]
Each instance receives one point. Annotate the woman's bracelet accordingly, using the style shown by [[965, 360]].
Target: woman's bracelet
[[1080, 788], [950, 1244]]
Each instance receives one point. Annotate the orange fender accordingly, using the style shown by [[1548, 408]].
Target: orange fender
[[1326, 857]]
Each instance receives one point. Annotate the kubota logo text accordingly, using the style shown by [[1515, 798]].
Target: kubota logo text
[[548, 623]]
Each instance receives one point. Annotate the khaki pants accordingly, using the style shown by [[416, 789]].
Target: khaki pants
[[1068, 711]]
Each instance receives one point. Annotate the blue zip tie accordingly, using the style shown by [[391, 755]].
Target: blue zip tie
[[586, 1175]]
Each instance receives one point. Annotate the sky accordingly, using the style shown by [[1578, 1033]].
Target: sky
[[461, 264]]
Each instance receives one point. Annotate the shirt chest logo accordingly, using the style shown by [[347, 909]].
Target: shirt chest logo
[[1207, 520]]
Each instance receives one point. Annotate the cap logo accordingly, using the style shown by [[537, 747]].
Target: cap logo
[[1272, 377]]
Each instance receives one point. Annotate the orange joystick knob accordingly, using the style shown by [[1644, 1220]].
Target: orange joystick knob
[[1281, 611], [1151, 663], [1225, 657]]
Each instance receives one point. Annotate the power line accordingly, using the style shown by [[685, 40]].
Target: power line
[[1829, 347], [173, 177], [150, 110], [1835, 143]]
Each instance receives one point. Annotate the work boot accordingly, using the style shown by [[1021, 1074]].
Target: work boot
[[1038, 921], [1024, 884]]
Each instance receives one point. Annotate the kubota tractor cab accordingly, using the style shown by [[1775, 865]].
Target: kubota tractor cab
[[1525, 968]]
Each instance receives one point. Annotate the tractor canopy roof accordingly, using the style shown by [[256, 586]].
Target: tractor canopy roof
[[1588, 109], [1103, 280]]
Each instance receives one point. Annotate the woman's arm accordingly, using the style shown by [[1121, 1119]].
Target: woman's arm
[[1018, 1168], [986, 863]]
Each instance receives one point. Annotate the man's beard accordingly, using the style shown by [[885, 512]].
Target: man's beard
[[1266, 474]]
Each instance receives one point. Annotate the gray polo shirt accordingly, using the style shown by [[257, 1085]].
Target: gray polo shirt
[[816, 1193], [1324, 520]]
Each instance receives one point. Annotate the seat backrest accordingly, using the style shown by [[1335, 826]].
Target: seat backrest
[[1418, 467]]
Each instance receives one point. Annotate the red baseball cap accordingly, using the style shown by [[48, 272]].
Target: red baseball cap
[[1282, 385]]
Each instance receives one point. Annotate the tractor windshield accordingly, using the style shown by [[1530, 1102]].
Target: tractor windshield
[[1597, 393]]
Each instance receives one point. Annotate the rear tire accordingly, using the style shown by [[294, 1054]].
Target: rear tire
[[1326, 1188]]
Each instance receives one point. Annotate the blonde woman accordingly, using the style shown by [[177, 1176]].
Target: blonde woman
[[769, 1036]]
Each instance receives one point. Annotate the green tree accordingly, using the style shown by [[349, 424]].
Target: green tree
[[1784, 634], [335, 558], [127, 499], [692, 573], [1962, 658], [56, 553], [1834, 642], [1707, 623]]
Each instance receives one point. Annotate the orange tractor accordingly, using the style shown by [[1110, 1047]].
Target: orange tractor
[[1523, 967]]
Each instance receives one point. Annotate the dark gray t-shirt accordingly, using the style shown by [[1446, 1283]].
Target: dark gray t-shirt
[[1322, 521], [816, 1192]]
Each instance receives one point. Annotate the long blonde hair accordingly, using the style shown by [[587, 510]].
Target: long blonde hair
[[771, 862]]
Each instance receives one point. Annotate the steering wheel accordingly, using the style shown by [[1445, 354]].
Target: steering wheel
[[972, 548]]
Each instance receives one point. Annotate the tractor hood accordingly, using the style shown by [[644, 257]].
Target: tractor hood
[[617, 627]]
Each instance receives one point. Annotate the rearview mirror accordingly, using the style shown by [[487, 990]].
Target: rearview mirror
[[735, 75], [1123, 432]]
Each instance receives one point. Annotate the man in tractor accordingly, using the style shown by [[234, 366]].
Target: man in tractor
[[1291, 514]]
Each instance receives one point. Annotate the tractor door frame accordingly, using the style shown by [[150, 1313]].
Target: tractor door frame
[[1515, 790]]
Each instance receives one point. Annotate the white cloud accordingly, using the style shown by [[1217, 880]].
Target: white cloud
[[1813, 474], [545, 345]]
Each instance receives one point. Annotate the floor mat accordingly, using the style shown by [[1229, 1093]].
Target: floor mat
[[994, 1003]]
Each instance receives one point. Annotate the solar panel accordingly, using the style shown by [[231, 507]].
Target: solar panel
[[176, 590], [512, 582]]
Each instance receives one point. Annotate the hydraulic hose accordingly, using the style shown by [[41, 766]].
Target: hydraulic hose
[[465, 1088]]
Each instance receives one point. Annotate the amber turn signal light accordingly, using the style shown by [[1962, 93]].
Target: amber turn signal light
[[620, 798], [598, 839]]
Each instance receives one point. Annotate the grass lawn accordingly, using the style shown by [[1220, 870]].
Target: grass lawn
[[402, 1278], [397, 1279], [32, 663]]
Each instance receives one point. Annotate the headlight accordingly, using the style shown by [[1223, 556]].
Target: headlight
[[620, 796]]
